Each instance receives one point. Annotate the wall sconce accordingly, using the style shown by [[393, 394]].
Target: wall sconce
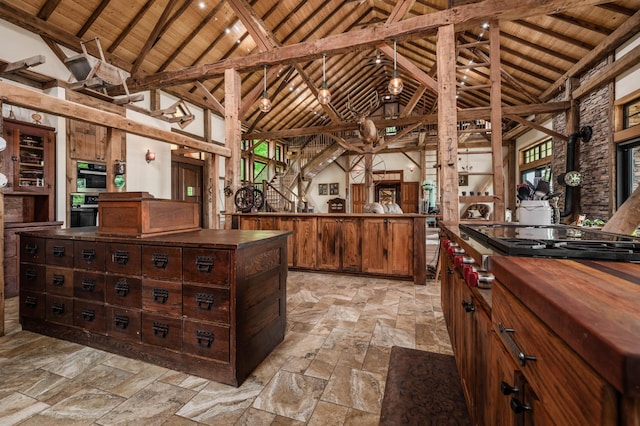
[[150, 156], [412, 168]]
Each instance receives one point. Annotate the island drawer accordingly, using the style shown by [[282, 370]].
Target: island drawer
[[123, 323], [207, 266], [162, 263], [206, 339], [162, 331], [32, 276], [205, 303], [122, 259], [162, 297], [59, 309], [59, 281], [124, 291], [88, 285], [59, 252], [32, 249], [90, 316], [32, 304], [89, 255]]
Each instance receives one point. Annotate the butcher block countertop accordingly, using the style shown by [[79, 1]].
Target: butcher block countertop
[[593, 306]]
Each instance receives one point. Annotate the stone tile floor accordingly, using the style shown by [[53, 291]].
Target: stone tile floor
[[329, 370]]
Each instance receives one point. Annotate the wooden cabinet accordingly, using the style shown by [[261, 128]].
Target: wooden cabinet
[[86, 141], [339, 244], [258, 223], [384, 246], [302, 241], [209, 303]]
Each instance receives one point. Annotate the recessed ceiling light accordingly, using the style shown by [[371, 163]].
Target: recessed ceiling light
[[485, 25], [227, 30], [202, 5]]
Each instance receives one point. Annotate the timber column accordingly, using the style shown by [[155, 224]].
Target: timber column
[[232, 133]]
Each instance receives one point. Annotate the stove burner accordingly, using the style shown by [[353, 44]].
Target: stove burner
[[557, 241]]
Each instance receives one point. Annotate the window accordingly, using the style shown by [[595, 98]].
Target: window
[[258, 168], [628, 167], [631, 114], [535, 163], [261, 149], [279, 151], [538, 152]]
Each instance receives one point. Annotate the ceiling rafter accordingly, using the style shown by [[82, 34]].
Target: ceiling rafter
[[47, 9], [98, 10], [130, 26]]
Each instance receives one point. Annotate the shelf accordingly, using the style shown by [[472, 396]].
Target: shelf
[[477, 199]]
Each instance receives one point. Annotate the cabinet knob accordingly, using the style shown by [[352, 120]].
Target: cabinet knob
[[468, 306], [518, 407], [507, 389]]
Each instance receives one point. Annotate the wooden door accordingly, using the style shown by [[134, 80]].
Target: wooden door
[[351, 244], [329, 242], [374, 245], [400, 238], [409, 197], [186, 183], [358, 194]]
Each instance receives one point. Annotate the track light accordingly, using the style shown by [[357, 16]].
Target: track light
[[324, 95], [265, 103], [395, 84]]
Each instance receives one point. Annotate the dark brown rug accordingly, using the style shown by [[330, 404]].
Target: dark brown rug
[[423, 388]]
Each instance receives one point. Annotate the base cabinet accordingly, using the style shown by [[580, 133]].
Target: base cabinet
[[339, 242], [210, 303]]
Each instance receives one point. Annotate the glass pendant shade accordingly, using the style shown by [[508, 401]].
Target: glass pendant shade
[[395, 84], [324, 95], [265, 103]]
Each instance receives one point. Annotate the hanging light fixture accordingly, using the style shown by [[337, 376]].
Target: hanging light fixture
[[324, 95], [395, 84], [265, 103]]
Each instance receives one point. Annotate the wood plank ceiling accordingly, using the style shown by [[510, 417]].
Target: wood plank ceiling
[[170, 37]]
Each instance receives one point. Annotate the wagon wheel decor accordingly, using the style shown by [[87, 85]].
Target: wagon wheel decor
[[248, 198], [357, 168]]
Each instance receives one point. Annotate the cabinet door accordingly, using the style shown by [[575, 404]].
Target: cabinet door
[[249, 223], [306, 240], [86, 141], [374, 245], [400, 249], [329, 230], [351, 245], [504, 383], [33, 159], [288, 224]]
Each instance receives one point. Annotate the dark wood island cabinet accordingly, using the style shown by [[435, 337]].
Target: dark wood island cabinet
[[210, 303]]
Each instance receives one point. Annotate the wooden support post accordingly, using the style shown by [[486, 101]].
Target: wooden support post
[[1, 242], [232, 133], [496, 122], [115, 139], [447, 119]]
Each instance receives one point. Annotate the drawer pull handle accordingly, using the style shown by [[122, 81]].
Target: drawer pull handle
[[121, 321], [507, 389], [88, 314], [122, 288], [58, 251], [58, 280], [522, 357], [88, 254], [88, 284], [30, 301], [204, 263], [160, 260], [449, 271], [31, 274], [468, 306], [121, 257], [160, 329], [205, 338], [57, 308], [518, 407], [204, 301], [160, 295], [31, 249]]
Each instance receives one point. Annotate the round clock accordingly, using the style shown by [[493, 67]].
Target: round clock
[[573, 178]]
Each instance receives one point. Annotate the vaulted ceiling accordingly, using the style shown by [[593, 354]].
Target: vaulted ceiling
[[183, 46]]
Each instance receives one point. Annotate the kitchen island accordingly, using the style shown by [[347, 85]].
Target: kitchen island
[[552, 341], [211, 303], [388, 245]]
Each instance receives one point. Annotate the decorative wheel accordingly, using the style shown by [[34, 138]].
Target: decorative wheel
[[358, 165], [247, 198]]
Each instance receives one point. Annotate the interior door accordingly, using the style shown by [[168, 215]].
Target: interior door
[[357, 197], [186, 183]]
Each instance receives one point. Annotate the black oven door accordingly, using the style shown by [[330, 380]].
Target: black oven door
[[89, 181], [81, 216]]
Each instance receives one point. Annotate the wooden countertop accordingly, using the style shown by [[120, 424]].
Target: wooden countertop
[[593, 306], [369, 215], [213, 238]]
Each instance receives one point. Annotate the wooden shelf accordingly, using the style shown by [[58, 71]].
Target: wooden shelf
[[477, 199]]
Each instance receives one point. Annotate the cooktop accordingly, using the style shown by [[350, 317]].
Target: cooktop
[[560, 241]]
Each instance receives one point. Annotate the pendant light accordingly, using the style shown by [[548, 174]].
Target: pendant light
[[395, 84], [324, 95], [265, 103]]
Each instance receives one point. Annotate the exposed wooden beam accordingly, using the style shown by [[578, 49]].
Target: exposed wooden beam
[[47, 9], [212, 99], [411, 68], [96, 13], [536, 126], [26, 98], [130, 26], [152, 39], [23, 64], [624, 32], [463, 17], [417, 95]]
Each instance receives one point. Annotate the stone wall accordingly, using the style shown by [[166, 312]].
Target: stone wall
[[593, 157]]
